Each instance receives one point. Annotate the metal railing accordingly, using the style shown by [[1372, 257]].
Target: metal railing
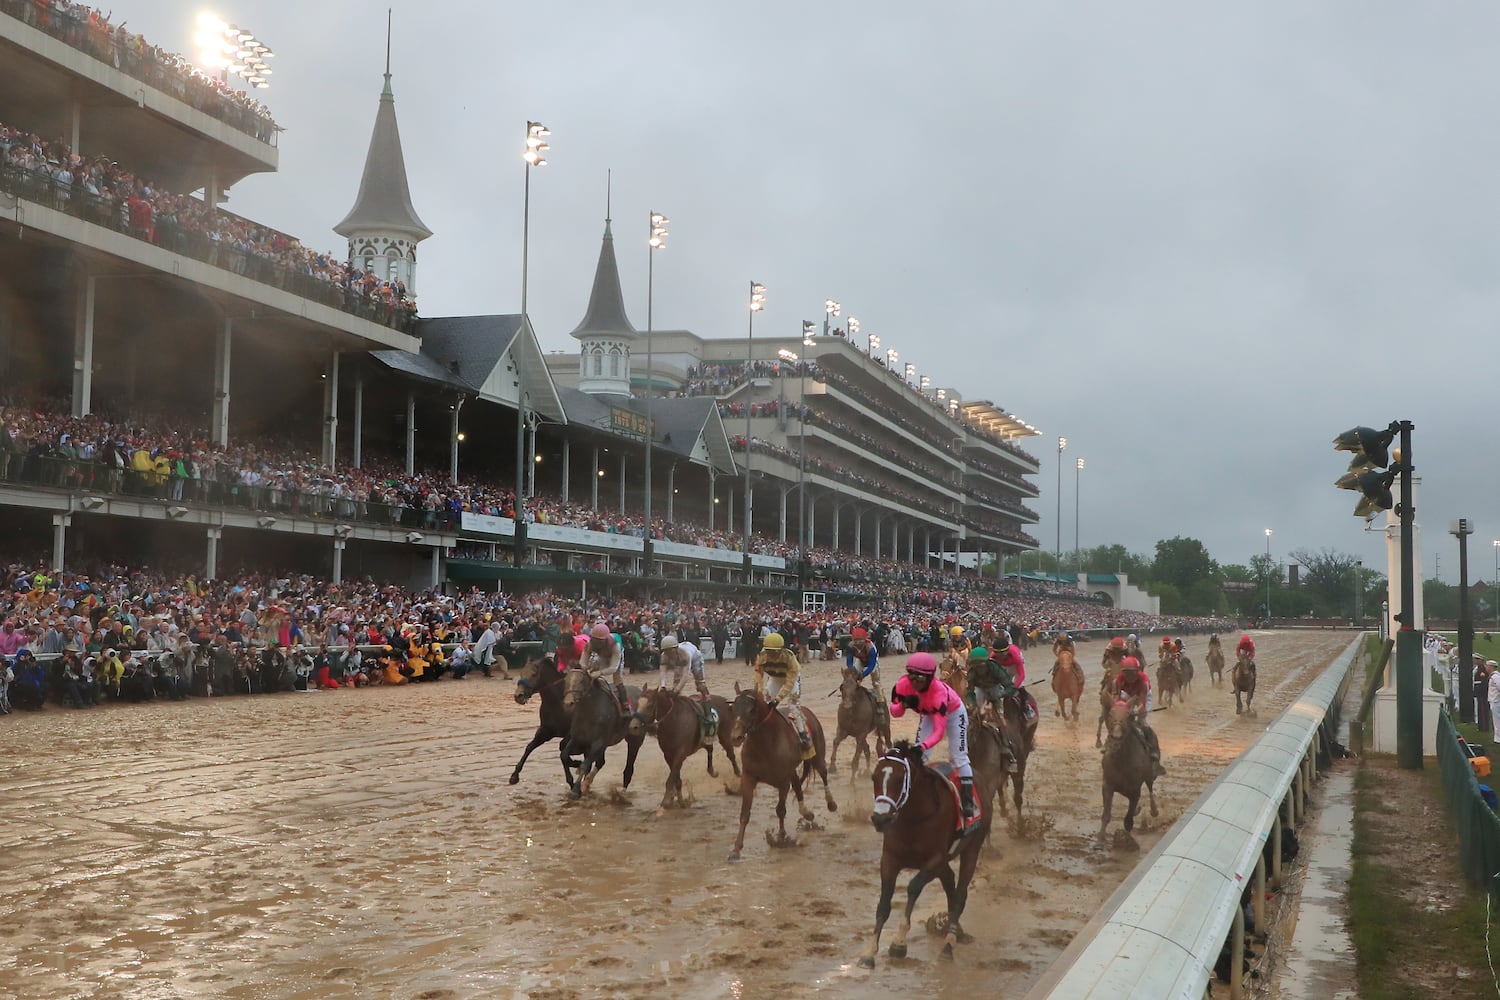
[[1161, 933], [163, 231]]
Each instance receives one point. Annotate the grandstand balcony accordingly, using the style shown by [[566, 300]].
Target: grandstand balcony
[[100, 92]]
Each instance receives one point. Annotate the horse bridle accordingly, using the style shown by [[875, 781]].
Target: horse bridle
[[896, 804]]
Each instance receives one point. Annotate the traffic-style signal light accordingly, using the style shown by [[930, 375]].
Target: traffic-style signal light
[[1370, 447], [1374, 487]]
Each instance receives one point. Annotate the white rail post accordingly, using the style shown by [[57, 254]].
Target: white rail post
[[1237, 954]]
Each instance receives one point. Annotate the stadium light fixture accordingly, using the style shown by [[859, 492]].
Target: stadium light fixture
[[229, 49]]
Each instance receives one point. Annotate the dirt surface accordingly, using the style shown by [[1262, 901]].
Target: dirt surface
[[366, 843]]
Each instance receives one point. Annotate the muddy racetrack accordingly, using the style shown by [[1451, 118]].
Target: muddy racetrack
[[366, 843]]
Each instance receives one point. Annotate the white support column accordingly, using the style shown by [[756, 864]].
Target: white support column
[[859, 523], [836, 508], [567, 460], [895, 541], [359, 414], [622, 484], [594, 477], [60, 524], [75, 119], [338, 560], [531, 459], [83, 348], [211, 558], [876, 532], [411, 432], [783, 513], [453, 448], [671, 489], [729, 521], [331, 412], [223, 345], [812, 518], [911, 537], [436, 576]]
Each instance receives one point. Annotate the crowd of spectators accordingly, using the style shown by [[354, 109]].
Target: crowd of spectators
[[110, 194], [89, 30], [141, 633], [717, 379]]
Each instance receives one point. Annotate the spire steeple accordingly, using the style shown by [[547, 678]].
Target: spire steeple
[[383, 228], [605, 334]]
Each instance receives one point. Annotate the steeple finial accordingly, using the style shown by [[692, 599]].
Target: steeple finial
[[387, 91]]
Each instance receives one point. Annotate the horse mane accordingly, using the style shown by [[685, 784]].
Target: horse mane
[[906, 748]]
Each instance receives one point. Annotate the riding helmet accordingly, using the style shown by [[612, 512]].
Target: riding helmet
[[774, 641], [979, 653], [669, 642], [921, 663]]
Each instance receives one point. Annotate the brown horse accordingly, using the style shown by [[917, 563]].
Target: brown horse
[[1243, 681], [860, 714], [954, 673], [1169, 681], [1107, 695], [596, 726], [679, 733], [917, 816], [772, 755], [1067, 684], [541, 677], [1126, 766], [1215, 661]]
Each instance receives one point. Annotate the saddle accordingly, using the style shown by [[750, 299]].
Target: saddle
[[961, 828], [708, 719]]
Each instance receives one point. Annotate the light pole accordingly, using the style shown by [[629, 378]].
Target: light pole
[[757, 304], [787, 358], [1077, 552], [1269, 564], [1062, 443], [853, 330], [802, 539], [657, 240], [831, 308], [536, 145], [1495, 584], [1359, 586]]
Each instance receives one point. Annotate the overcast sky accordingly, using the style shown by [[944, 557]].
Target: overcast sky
[[1198, 240]]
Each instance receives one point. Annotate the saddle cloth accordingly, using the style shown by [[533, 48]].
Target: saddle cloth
[[946, 772], [708, 718]]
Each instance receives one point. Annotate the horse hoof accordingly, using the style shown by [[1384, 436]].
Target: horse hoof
[[733, 856], [575, 794], [515, 779], [661, 811], [947, 952], [867, 962], [896, 951]]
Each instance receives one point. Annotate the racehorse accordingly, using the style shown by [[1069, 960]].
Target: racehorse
[[597, 725], [1067, 684], [955, 674], [680, 734], [541, 677], [1215, 660], [1185, 665], [1126, 766], [1107, 695], [1169, 681], [1243, 681], [860, 714], [772, 755], [917, 814]]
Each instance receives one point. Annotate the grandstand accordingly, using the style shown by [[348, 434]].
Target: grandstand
[[176, 379]]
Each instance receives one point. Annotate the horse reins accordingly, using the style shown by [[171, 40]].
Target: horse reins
[[897, 804]]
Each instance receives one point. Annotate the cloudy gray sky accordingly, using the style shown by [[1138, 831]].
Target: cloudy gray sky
[[1196, 239]]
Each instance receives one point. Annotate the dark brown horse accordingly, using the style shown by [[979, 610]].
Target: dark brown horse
[[597, 725], [1106, 702], [679, 733], [1023, 740], [1243, 682], [860, 714], [917, 816], [541, 677], [1215, 661], [772, 755], [1126, 766], [1169, 681]]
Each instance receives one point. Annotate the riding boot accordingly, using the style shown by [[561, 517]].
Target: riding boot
[[1154, 745], [966, 797], [624, 698], [1012, 759], [802, 736]]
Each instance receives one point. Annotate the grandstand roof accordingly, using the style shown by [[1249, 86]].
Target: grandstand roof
[[468, 354], [384, 201], [995, 420], [688, 427], [606, 312]]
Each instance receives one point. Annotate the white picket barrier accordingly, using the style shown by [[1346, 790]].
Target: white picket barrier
[[1160, 934]]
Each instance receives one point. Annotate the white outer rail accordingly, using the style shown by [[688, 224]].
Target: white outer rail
[[1160, 934]]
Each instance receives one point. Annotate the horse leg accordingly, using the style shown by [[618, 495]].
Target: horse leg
[[1135, 803], [593, 763], [711, 772], [1237, 708], [632, 749], [888, 873], [728, 748], [1109, 801], [781, 805], [827, 793], [956, 903], [833, 754], [542, 736], [1099, 729], [747, 797], [913, 890], [1151, 791], [1018, 789]]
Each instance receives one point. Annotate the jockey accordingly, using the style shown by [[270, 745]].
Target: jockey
[[1213, 641], [958, 643], [1134, 687], [777, 675], [1166, 652], [862, 660], [942, 714], [1011, 659], [1113, 654], [604, 655], [680, 657], [1133, 647], [1246, 648], [990, 684]]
